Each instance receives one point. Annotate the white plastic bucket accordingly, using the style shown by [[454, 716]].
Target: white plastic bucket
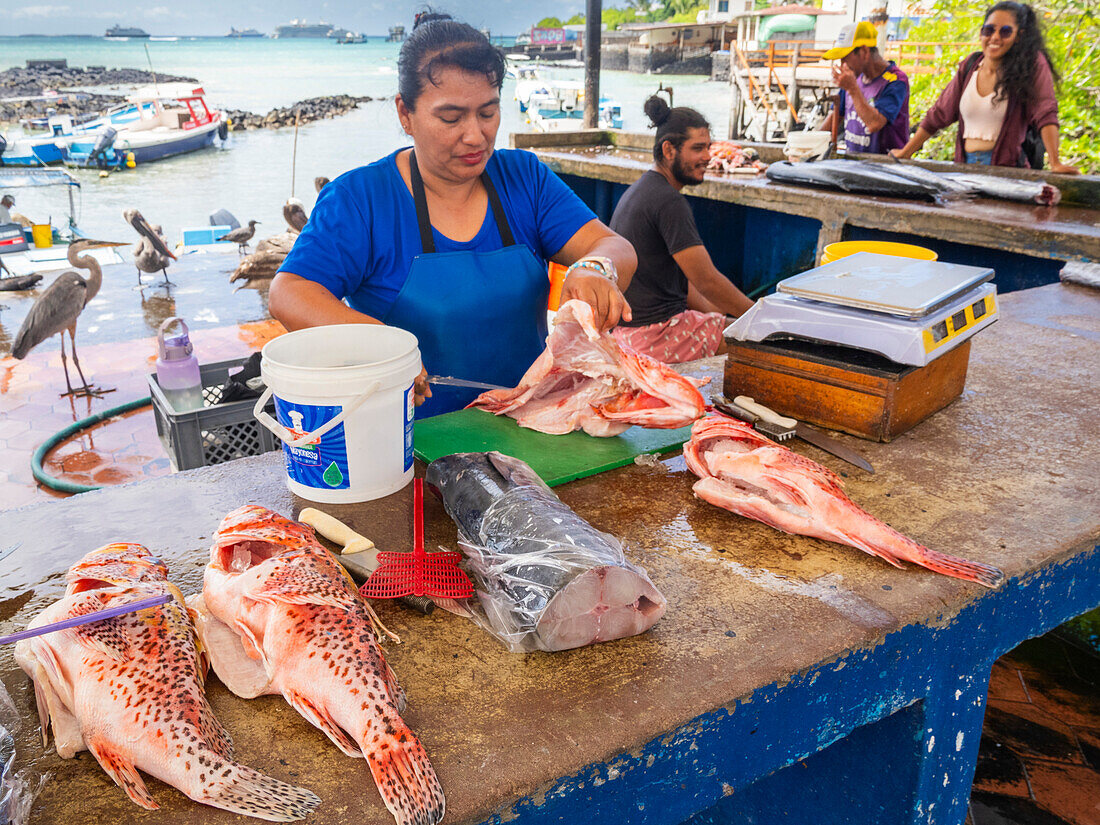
[[807, 145], [344, 403]]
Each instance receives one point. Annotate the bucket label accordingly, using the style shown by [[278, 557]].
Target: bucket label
[[410, 414], [322, 463]]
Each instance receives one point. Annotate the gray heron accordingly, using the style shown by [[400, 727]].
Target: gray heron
[[241, 236], [58, 308], [151, 253]]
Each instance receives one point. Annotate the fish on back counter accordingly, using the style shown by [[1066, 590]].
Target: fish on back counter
[[278, 615], [746, 473], [586, 380], [130, 690]]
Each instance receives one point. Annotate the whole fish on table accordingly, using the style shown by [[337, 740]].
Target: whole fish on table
[[585, 380], [746, 473], [1010, 189], [130, 690], [546, 578], [278, 615], [866, 178]]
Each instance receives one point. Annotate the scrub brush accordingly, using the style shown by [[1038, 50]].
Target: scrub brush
[[769, 422]]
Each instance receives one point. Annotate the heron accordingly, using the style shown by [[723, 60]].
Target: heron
[[241, 236], [58, 308], [151, 253]]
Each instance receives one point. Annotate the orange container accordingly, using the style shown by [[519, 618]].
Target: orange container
[[557, 280]]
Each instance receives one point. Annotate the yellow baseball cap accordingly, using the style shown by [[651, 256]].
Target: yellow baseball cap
[[852, 36]]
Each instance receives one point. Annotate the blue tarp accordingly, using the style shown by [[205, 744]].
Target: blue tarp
[[12, 178]]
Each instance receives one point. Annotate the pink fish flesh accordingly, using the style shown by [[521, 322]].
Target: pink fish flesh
[[742, 471], [586, 380]]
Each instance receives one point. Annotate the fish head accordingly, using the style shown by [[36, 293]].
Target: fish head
[[114, 565], [250, 535]]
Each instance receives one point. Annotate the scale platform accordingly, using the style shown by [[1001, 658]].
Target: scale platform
[[909, 311]]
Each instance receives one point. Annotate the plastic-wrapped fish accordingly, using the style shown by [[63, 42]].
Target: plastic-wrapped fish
[[546, 578], [861, 176], [1010, 189]]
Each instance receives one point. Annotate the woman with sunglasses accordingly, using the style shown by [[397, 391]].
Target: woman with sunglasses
[[997, 94]]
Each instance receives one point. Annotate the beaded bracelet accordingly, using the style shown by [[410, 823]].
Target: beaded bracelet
[[600, 265]]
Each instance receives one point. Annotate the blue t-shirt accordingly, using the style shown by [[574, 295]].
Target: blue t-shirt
[[362, 235]]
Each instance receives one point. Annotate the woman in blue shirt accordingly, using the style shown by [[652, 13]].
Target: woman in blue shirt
[[450, 239]]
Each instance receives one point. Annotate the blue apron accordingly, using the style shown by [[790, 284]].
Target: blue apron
[[477, 315]]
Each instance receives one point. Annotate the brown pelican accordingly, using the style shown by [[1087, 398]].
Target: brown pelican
[[259, 266], [320, 183], [241, 236], [151, 253], [294, 213], [58, 308]]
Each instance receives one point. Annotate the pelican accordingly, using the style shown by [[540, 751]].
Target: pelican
[[241, 236], [294, 213], [259, 266], [320, 183], [151, 253], [58, 308]]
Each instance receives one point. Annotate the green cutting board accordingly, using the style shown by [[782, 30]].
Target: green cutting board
[[556, 458]]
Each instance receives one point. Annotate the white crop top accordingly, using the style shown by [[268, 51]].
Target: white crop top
[[982, 116]]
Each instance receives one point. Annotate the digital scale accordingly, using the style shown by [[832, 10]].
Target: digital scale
[[909, 311]]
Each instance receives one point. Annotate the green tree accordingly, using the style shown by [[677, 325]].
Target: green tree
[[576, 20], [1072, 35], [549, 23]]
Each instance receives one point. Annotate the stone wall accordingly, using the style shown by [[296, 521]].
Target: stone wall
[[720, 66]]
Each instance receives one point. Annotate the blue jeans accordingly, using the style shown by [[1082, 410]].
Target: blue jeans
[[981, 158]]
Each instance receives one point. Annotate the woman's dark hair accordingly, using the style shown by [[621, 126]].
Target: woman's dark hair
[[439, 42], [672, 124], [1016, 78]]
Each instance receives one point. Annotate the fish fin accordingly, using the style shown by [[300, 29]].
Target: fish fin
[[320, 718], [42, 704], [974, 571], [302, 584], [122, 771], [404, 776], [110, 637], [868, 547], [243, 790]]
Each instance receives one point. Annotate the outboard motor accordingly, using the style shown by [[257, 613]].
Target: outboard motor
[[223, 130], [3, 146], [223, 217], [103, 144]]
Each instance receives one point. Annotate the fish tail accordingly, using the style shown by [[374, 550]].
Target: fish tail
[[404, 776], [973, 571], [122, 771], [243, 790]]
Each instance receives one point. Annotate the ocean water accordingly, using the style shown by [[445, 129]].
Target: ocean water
[[254, 172]]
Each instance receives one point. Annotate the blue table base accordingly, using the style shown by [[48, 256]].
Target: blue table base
[[883, 735]]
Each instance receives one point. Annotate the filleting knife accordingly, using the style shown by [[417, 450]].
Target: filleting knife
[[745, 409], [448, 381]]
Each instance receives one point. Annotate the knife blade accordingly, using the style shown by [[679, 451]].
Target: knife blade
[[831, 445], [448, 381], [803, 431]]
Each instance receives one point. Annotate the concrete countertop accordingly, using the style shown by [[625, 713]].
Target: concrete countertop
[[1064, 232], [1005, 475]]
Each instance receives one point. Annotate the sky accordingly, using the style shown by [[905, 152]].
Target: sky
[[215, 17]]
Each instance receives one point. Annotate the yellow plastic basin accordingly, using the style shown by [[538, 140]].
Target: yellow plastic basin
[[843, 249], [42, 234]]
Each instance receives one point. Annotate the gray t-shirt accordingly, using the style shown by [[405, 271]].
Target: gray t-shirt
[[657, 220]]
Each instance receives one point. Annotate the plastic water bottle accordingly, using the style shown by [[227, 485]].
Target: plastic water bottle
[[178, 369]]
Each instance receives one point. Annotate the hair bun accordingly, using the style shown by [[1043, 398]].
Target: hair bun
[[429, 16], [657, 110]]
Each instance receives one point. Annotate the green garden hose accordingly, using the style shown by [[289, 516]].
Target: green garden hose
[[39, 456]]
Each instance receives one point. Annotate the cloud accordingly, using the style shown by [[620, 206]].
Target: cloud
[[161, 11], [40, 11]]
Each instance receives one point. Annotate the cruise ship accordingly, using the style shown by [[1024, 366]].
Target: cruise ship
[[300, 28], [126, 31], [244, 33]]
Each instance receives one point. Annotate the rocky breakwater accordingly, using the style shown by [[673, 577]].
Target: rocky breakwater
[[305, 111], [34, 83]]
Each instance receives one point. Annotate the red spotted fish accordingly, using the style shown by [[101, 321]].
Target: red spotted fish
[[278, 615], [130, 690], [744, 472]]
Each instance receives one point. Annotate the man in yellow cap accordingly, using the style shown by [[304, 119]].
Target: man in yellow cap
[[874, 93]]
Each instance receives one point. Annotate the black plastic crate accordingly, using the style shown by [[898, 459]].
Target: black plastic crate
[[218, 432]]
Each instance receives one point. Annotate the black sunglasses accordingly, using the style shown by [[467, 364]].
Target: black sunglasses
[[1006, 31]]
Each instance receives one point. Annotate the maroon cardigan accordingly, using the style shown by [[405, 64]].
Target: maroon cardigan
[[1007, 151]]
